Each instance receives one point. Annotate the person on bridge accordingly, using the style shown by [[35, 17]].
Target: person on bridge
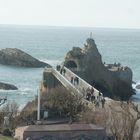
[[58, 67], [97, 103], [71, 80], [103, 102], [64, 71], [88, 94], [61, 71], [76, 81], [92, 95], [92, 90], [100, 96]]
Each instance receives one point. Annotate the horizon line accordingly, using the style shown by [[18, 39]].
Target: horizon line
[[72, 26]]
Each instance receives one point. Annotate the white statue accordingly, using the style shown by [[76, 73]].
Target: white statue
[[6, 121]]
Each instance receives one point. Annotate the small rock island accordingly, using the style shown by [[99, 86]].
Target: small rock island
[[6, 86], [113, 80], [16, 57]]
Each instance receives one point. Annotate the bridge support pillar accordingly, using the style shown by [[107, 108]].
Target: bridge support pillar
[[49, 80]]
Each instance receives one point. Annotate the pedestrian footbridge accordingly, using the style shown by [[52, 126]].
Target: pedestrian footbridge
[[65, 79]]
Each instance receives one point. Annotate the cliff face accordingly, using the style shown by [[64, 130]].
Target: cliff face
[[113, 80], [16, 57]]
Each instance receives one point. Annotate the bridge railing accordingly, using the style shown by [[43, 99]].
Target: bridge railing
[[66, 83], [69, 86], [82, 83]]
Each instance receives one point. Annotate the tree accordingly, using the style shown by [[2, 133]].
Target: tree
[[61, 103], [10, 110]]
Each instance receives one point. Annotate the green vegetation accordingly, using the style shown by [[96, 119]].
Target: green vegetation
[[6, 138]]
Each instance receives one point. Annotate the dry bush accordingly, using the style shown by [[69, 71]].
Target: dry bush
[[61, 103], [28, 115], [97, 117], [119, 120], [10, 110], [58, 101]]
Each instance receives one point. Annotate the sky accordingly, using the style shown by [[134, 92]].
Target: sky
[[88, 13]]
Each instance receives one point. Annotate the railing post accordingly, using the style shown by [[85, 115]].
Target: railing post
[[38, 112], [38, 108]]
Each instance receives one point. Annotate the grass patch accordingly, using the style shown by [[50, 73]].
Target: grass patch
[[6, 138]]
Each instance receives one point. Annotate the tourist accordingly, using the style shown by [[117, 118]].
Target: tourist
[[92, 94], [92, 90], [71, 80], [61, 71], [103, 102], [88, 94], [76, 81], [100, 96], [58, 67], [64, 71], [97, 103], [92, 98]]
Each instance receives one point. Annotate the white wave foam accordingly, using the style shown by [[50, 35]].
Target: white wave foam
[[6, 91], [137, 91], [135, 86]]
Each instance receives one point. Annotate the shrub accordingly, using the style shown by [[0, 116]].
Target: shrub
[[61, 103], [7, 132]]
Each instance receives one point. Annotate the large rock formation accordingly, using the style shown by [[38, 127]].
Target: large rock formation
[[6, 86], [113, 79], [16, 57]]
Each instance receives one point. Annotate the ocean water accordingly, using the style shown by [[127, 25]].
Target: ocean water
[[50, 44]]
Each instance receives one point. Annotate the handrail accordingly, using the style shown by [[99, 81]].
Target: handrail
[[66, 83], [82, 82]]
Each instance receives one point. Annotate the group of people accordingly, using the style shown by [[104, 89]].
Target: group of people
[[74, 80], [61, 69], [90, 93], [90, 96]]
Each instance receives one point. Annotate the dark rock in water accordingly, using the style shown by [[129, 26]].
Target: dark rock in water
[[111, 79], [6, 86], [16, 57], [138, 86]]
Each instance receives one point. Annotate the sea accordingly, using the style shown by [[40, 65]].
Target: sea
[[50, 44]]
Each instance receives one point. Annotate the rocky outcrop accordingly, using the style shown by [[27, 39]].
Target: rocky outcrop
[[111, 79], [6, 86], [16, 57]]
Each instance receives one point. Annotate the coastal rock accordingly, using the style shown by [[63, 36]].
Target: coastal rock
[[113, 80], [6, 86], [16, 57]]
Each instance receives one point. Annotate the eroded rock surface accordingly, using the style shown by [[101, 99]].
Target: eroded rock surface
[[113, 80], [16, 57]]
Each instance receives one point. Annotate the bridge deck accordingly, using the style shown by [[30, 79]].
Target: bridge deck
[[65, 79]]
